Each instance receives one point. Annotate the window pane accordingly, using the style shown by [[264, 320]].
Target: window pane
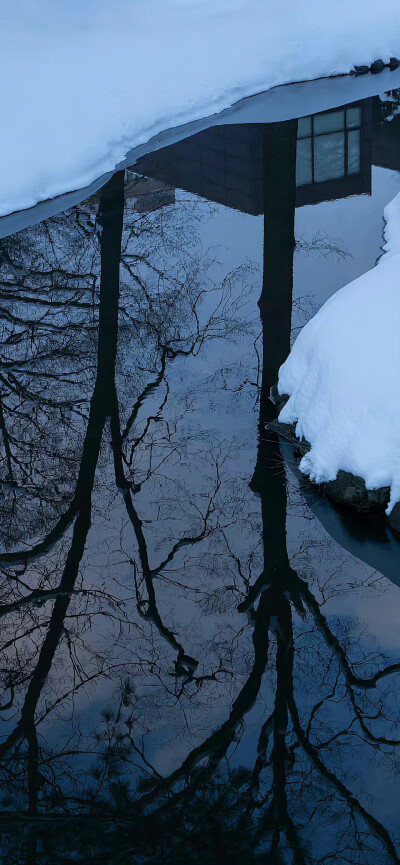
[[353, 116], [329, 156], [303, 127], [303, 162], [328, 122], [354, 152]]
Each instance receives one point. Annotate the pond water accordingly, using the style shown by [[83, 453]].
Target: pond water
[[200, 655]]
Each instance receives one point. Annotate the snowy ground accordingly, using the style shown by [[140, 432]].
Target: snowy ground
[[85, 81], [343, 375]]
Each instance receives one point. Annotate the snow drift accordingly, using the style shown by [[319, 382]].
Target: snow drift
[[85, 81], [343, 376]]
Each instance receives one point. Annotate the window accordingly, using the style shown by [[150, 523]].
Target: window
[[328, 146]]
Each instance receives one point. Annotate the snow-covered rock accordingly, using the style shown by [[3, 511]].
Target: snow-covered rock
[[343, 377]]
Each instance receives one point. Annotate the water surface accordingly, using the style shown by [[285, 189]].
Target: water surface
[[200, 655]]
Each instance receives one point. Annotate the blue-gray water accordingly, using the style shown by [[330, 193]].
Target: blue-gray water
[[200, 655]]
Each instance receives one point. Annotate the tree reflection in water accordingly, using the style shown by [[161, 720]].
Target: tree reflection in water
[[152, 615]]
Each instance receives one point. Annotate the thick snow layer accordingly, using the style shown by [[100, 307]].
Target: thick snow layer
[[343, 376], [84, 81]]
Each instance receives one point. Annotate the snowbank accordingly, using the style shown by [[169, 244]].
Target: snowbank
[[84, 81], [343, 376]]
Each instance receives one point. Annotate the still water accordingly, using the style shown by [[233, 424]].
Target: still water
[[200, 655]]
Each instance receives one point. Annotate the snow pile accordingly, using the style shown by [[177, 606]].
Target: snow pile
[[84, 81], [343, 376]]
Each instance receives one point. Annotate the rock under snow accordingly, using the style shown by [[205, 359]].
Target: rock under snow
[[343, 377]]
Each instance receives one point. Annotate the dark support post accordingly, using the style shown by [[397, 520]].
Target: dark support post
[[269, 479], [279, 210]]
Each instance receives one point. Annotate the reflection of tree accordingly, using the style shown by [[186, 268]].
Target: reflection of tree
[[273, 600], [85, 795], [171, 340]]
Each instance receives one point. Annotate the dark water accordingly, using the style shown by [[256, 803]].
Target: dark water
[[200, 656]]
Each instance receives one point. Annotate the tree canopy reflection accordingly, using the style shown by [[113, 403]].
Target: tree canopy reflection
[[174, 687]]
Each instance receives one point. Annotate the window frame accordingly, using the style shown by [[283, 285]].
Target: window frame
[[345, 129]]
